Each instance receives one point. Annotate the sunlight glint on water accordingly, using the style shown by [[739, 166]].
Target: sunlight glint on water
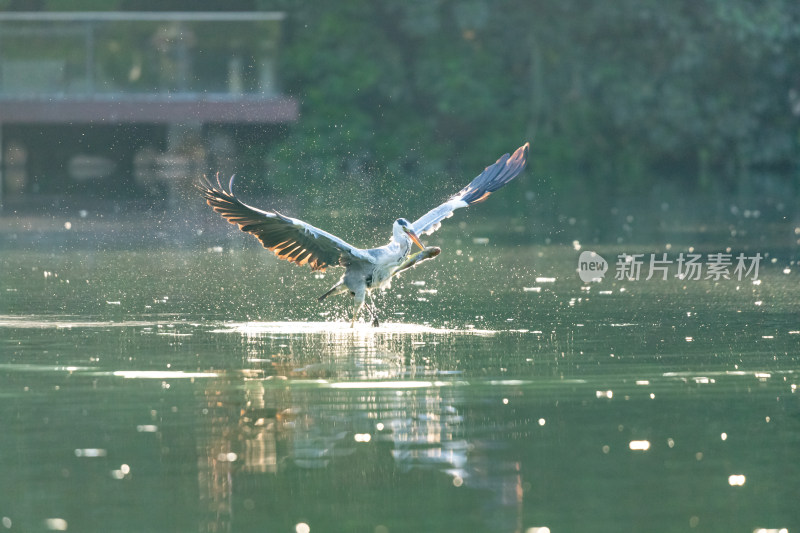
[[208, 401]]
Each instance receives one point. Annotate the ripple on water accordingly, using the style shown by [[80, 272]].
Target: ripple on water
[[341, 328], [67, 322]]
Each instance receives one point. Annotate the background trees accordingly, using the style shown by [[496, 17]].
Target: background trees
[[618, 97]]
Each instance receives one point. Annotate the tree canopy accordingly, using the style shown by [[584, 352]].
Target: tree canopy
[[617, 97], [702, 96]]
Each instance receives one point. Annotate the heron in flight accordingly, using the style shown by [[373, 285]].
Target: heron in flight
[[365, 269]]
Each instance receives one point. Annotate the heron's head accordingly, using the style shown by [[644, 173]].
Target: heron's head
[[403, 227]]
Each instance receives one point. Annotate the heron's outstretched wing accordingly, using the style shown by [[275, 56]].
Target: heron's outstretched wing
[[495, 176], [290, 238]]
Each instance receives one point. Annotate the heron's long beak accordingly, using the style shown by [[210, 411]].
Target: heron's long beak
[[413, 237]]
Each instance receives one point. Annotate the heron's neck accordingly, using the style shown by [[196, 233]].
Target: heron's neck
[[399, 236], [402, 243]]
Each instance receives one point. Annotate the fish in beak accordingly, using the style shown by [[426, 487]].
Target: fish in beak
[[414, 259], [413, 237]]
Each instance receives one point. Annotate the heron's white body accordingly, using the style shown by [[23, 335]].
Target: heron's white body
[[365, 269], [375, 268]]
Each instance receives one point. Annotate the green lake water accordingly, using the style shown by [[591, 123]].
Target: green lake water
[[205, 389]]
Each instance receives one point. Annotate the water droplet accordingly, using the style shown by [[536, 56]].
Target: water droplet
[[90, 452], [229, 457], [736, 480], [55, 524]]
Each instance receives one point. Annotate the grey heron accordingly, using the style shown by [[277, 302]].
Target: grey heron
[[365, 269]]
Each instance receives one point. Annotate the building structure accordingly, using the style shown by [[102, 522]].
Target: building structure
[[116, 108]]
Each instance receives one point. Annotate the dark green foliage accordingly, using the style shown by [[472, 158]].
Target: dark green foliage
[[616, 97], [403, 101]]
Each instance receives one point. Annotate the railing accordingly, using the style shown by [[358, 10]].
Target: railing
[[102, 55]]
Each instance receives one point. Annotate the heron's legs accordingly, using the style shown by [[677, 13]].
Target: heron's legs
[[373, 310], [358, 298]]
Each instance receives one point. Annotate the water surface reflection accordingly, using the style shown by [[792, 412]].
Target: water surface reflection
[[346, 408], [663, 407]]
